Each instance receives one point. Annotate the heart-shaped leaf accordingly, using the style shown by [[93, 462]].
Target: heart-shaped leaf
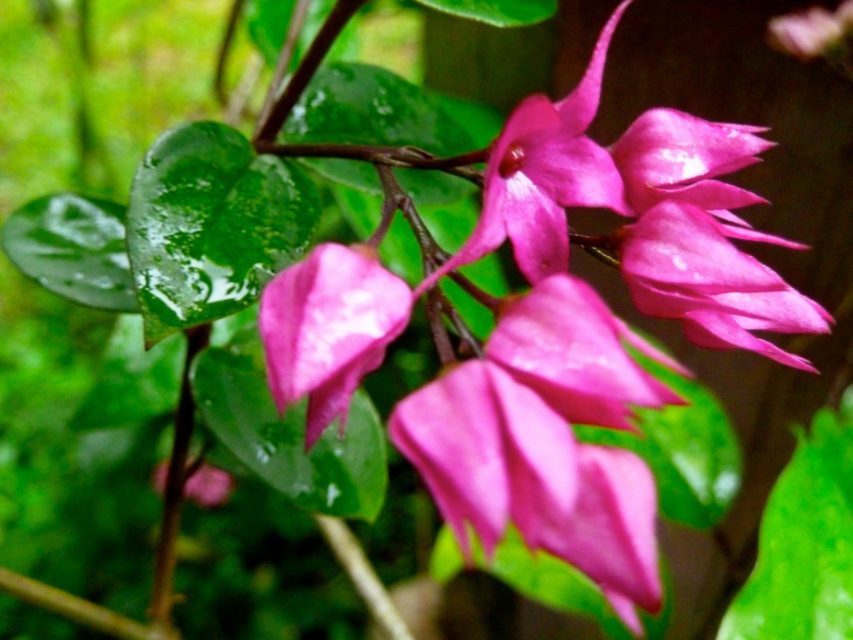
[[209, 223], [691, 449], [134, 385], [362, 104], [341, 476], [802, 585], [75, 247], [500, 13]]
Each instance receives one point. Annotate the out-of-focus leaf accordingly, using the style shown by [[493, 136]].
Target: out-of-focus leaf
[[450, 224], [500, 13], [691, 449], [341, 476], [362, 104], [73, 246], [133, 385], [543, 578], [267, 22], [802, 585], [209, 223], [482, 122]]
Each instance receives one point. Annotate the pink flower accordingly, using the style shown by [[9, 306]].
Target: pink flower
[[208, 487], [325, 323], [808, 34], [563, 341], [669, 155], [541, 162], [490, 450], [678, 263]]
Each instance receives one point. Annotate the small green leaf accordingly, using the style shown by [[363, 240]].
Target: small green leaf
[[134, 385], [362, 104], [540, 577], [500, 13], [341, 476], [802, 585], [450, 224], [267, 22], [209, 223], [75, 247], [691, 449]]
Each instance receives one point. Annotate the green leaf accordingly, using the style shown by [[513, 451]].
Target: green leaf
[[482, 122], [362, 104], [802, 585], [500, 13], [691, 449], [341, 476], [540, 577], [451, 225], [209, 223], [134, 385], [75, 247], [267, 22]]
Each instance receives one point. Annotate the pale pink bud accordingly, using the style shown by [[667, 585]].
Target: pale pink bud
[[208, 486], [808, 34]]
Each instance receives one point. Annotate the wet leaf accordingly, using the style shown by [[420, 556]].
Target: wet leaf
[[362, 104], [341, 476], [75, 247], [209, 223], [500, 13], [802, 585]]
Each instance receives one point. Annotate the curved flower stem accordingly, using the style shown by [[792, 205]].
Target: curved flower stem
[[406, 157], [162, 597], [351, 556], [79, 610], [294, 27], [225, 51], [270, 123]]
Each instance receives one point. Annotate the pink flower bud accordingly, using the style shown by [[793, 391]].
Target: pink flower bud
[[325, 323], [808, 34], [208, 486]]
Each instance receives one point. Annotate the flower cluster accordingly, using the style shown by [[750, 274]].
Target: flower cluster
[[492, 436]]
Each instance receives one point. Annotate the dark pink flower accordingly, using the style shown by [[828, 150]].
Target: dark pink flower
[[679, 263], [541, 162], [325, 323], [562, 340], [208, 486], [670, 155], [490, 451]]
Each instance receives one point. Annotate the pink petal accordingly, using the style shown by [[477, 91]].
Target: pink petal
[[536, 226], [751, 235], [611, 534], [575, 171], [626, 610], [578, 109], [451, 431], [540, 454], [721, 331], [668, 147], [562, 340], [709, 194], [786, 311], [728, 216], [651, 351], [677, 244]]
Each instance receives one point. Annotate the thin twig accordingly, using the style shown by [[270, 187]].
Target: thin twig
[[352, 558], [270, 124], [484, 298], [294, 28], [162, 597], [79, 610], [242, 94], [225, 50]]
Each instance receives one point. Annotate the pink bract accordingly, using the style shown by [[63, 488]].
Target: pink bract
[[490, 450], [679, 263], [563, 341], [208, 486], [325, 323]]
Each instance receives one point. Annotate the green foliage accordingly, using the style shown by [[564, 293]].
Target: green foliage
[[542, 578], [362, 104], [802, 585], [209, 222], [341, 476], [74, 247], [500, 13], [691, 449]]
